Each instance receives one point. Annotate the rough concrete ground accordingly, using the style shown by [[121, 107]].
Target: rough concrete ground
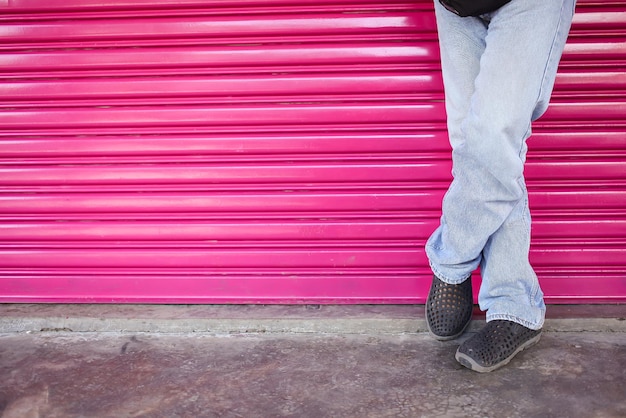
[[579, 373]]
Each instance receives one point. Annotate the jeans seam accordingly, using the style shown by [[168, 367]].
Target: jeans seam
[[525, 203], [550, 54]]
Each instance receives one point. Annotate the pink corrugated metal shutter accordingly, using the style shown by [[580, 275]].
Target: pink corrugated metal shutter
[[253, 151]]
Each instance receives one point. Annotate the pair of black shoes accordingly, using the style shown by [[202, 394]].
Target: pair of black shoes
[[448, 313]]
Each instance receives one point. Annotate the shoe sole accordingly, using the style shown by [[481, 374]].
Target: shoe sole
[[470, 363]]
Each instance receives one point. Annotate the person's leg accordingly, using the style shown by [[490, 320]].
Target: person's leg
[[462, 42], [510, 291], [485, 209]]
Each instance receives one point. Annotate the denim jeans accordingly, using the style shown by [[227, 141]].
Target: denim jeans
[[498, 71]]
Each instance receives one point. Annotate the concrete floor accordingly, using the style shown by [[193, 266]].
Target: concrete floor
[[57, 373]]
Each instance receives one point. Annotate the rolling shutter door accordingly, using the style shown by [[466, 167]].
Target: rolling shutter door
[[271, 151]]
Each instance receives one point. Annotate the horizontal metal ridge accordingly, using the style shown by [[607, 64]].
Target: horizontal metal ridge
[[315, 175], [208, 29], [250, 257], [258, 273], [576, 114], [412, 143], [286, 201], [545, 230], [137, 91], [223, 89], [225, 57], [124, 8], [269, 57], [249, 6], [261, 115]]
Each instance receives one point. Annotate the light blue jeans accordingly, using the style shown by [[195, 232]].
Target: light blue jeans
[[498, 72]]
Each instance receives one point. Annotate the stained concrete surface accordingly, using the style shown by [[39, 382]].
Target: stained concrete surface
[[314, 374]]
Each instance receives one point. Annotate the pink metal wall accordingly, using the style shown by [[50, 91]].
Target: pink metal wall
[[257, 151]]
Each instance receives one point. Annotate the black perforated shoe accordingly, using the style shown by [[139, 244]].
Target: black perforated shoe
[[448, 308], [495, 345]]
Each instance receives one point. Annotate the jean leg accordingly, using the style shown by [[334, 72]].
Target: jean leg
[[462, 43], [510, 288], [481, 210]]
